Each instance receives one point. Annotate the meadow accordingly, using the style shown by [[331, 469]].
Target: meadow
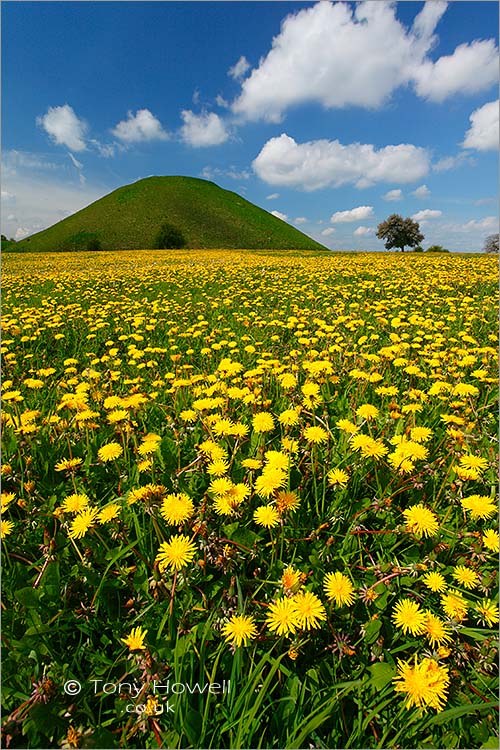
[[248, 500]]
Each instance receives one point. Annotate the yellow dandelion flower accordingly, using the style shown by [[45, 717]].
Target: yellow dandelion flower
[[135, 639], [287, 380], [266, 516], [290, 445], [420, 521], [491, 540], [346, 426], [222, 427], [225, 505], [277, 460], [220, 486], [467, 474], [310, 610], [148, 447], [75, 503], [218, 468], [251, 463], [436, 631], [425, 683], [367, 411], [6, 499], [239, 630], [409, 617], [338, 477], [239, 430], [286, 501], [368, 446], [420, 434], [176, 553], [263, 422], [6, 528], [315, 434], [290, 578], [215, 451], [109, 452], [283, 617], [488, 612], [339, 589], [473, 462], [108, 513], [465, 576], [269, 481], [434, 581], [479, 506], [454, 606], [151, 706], [117, 415], [177, 508], [82, 523], [68, 464], [188, 415], [289, 417]]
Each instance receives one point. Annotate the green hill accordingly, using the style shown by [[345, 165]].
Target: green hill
[[131, 217]]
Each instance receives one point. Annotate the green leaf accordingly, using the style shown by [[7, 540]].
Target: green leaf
[[453, 713], [101, 738], [51, 581], [382, 673], [28, 597], [491, 743], [229, 529], [372, 630], [450, 739], [247, 537], [192, 725]]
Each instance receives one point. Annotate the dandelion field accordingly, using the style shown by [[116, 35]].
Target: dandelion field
[[274, 473]]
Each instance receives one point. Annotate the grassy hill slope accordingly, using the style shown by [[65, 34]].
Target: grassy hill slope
[[131, 216]]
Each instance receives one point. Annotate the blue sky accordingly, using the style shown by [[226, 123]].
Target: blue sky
[[332, 115]]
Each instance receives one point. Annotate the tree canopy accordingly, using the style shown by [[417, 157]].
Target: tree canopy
[[399, 232], [491, 244], [169, 237]]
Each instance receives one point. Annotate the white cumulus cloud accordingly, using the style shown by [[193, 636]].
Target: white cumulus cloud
[[363, 231], [452, 162], [316, 58], [64, 127], [471, 68], [205, 129], [421, 192], [328, 232], [279, 215], [43, 200], [354, 214], [393, 195], [489, 223], [300, 220], [143, 126], [483, 133], [239, 69], [319, 164], [272, 197], [427, 213]]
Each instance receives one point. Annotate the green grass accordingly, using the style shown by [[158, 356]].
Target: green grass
[[168, 341], [208, 216]]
